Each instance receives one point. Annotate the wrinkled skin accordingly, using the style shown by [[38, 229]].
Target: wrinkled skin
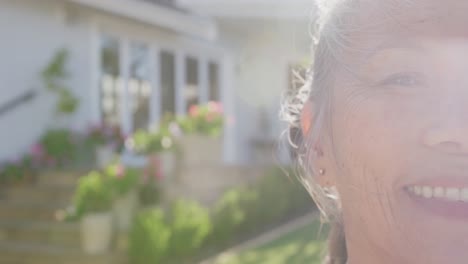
[[399, 119]]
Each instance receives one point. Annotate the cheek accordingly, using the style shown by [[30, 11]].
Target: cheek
[[370, 133]]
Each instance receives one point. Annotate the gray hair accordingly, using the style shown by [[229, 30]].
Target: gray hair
[[328, 41]]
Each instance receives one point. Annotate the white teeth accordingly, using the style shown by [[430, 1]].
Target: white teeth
[[450, 194], [418, 190], [439, 192], [427, 192], [464, 195]]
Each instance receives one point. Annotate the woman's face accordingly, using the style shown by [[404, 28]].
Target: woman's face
[[399, 137]]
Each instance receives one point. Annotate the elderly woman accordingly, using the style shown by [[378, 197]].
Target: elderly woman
[[384, 130]]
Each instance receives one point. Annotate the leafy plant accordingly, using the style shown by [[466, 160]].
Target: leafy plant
[[245, 210], [203, 119], [150, 194], [149, 238], [121, 179], [54, 76], [230, 214], [190, 225], [93, 195], [146, 142], [12, 172], [58, 147], [102, 134]]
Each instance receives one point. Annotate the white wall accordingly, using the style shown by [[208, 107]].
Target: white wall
[[263, 50], [31, 32]]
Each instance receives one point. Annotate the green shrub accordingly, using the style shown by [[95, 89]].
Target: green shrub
[[149, 238], [93, 195], [122, 180], [231, 214], [150, 194], [190, 225], [58, 146], [242, 211]]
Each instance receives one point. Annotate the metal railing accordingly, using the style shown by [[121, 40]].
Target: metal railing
[[17, 102]]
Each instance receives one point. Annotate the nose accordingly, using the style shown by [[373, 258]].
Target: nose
[[449, 134]]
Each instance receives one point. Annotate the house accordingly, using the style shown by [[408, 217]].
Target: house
[[131, 61]]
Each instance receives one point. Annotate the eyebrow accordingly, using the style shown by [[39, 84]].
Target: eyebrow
[[405, 44]]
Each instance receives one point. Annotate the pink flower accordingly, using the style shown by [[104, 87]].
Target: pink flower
[[158, 173], [120, 171], [210, 117], [37, 150], [193, 111], [215, 107]]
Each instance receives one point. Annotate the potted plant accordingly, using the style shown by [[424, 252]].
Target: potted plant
[[158, 148], [93, 204], [18, 172], [123, 182], [56, 149], [150, 192], [107, 140], [202, 128]]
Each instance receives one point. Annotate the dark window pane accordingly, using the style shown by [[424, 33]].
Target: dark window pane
[[109, 80], [191, 82], [139, 86], [214, 88], [167, 83]]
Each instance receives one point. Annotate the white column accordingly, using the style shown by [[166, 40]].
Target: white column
[[155, 81], [203, 80], [96, 74], [180, 83], [125, 101], [227, 98]]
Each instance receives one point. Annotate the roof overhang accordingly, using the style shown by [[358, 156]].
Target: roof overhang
[[152, 14], [258, 9]]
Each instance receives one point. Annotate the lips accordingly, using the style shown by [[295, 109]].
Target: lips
[[445, 200]]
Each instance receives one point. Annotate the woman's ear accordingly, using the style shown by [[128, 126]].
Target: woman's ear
[[319, 158], [307, 118]]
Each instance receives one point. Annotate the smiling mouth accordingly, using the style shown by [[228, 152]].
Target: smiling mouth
[[448, 202], [440, 193]]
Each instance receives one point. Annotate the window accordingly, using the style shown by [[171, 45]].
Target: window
[[139, 86], [214, 93], [138, 108], [191, 82], [168, 99], [109, 81]]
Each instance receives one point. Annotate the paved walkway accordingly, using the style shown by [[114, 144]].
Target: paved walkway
[[265, 238]]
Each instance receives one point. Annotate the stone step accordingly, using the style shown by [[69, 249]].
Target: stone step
[[50, 233], [35, 253], [30, 211], [60, 178], [39, 193]]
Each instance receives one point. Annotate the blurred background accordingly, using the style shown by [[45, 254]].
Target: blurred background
[[147, 131]]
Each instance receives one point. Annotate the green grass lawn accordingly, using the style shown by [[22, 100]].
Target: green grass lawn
[[302, 246]]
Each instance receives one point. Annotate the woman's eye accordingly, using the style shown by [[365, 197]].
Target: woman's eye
[[403, 79]]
